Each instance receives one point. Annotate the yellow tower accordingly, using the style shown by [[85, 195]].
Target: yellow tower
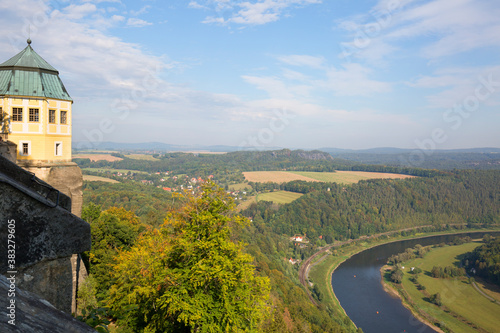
[[36, 108]]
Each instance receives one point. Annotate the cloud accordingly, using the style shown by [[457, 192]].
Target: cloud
[[453, 85], [137, 23], [302, 60], [143, 10], [249, 12], [76, 12], [437, 28]]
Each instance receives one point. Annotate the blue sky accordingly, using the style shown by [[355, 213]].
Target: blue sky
[[271, 73]]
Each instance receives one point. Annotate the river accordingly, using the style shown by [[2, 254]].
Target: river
[[357, 285]]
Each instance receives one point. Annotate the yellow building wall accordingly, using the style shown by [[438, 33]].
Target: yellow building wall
[[41, 135]]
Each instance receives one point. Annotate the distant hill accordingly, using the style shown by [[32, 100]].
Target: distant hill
[[160, 147], [470, 158]]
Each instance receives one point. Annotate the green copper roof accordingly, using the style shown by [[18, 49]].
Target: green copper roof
[[28, 74]]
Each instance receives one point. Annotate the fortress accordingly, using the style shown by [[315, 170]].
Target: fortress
[[45, 198]]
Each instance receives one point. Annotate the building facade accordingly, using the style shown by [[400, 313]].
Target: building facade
[[36, 109]]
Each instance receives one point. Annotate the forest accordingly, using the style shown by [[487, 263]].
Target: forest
[[129, 218]]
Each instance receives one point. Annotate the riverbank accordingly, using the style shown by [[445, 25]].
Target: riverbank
[[391, 291], [462, 308], [321, 272]]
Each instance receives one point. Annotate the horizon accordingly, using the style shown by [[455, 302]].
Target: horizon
[[277, 73], [201, 146]]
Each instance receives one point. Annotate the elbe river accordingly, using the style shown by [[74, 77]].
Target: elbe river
[[357, 285]]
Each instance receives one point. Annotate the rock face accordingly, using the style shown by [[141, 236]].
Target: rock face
[[32, 314]]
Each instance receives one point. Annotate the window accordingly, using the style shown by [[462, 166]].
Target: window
[[17, 114], [25, 148], [64, 117], [58, 149], [34, 115], [52, 116]]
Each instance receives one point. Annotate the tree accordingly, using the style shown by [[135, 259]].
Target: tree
[[111, 230], [436, 299], [190, 275], [397, 276]]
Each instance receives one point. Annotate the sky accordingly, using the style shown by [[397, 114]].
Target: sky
[[271, 73]]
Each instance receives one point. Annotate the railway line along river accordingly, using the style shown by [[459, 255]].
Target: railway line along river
[[357, 285]]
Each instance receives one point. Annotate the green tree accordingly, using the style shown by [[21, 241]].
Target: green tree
[[111, 230], [397, 276], [190, 275], [436, 299]]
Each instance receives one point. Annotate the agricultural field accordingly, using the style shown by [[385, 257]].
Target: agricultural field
[[98, 157], [239, 187], [104, 170], [144, 157], [279, 197], [90, 178], [274, 176], [458, 295], [343, 177]]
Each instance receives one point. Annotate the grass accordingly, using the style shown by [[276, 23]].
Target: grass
[[349, 177], [90, 178], [464, 303], [98, 157], [343, 177], [104, 170], [144, 157], [245, 204], [279, 197], [274, 176], [239, 187]]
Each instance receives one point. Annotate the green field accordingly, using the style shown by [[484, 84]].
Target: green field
[[348, 177], [90, 178], [279, 197], [239, 187], [144, 157], [104, 170], [458, 295]]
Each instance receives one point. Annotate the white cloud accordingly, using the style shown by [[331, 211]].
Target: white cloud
[[143, 10], [439, 28], [302, 60], [76, 12], [138, 23], [353, 80], [455, 84], [249, 12], [118, 18]]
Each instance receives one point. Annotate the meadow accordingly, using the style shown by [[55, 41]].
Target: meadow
[[104, 170], [464, 309], [90, 178], [98, 157], [342, 177], [279, 197], [143, 157]]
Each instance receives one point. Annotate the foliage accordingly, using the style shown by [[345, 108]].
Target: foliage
[[111, 230], [464, 197], [87, 293], [436, 299], [96, 318], [485, 260], [397, 276], [447, 272], [189, 275]]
